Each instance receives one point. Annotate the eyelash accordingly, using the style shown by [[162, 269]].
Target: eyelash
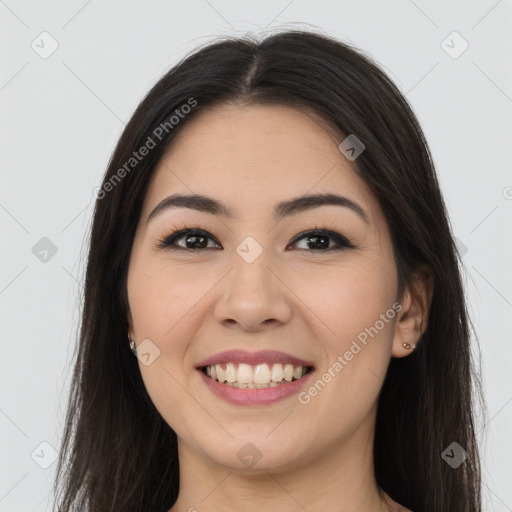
[[169, 241]]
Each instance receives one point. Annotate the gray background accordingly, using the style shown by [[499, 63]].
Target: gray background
[[62, 115]]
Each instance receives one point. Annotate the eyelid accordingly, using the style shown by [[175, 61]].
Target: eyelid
[[322, 231], [177, 233]]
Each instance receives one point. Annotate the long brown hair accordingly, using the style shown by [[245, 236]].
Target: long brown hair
[[117, 452]]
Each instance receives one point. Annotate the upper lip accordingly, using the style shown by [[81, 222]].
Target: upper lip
[[253, 358]]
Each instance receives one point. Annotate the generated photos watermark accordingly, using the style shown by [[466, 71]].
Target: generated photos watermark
[[343, 359], [157, 135]]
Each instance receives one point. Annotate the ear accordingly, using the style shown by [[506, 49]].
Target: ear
[[413, 318]]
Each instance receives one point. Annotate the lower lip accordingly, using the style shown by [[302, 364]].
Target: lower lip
[[247, 396]]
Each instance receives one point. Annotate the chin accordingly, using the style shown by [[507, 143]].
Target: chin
[[259, 452]]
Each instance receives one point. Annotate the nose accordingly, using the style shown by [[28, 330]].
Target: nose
[[254, 298]]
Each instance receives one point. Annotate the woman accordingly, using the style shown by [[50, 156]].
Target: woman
[[271, 242]]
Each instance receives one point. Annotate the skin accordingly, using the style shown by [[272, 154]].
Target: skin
[[311, 305]]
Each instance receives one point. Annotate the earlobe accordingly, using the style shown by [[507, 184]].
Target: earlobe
[[412, 320]]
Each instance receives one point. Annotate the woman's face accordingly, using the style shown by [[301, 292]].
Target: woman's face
[[250, 285]]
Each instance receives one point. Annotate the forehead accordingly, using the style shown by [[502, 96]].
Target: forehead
[[252, 157]]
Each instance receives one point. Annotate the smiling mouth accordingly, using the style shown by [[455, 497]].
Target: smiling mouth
[[260, 376]]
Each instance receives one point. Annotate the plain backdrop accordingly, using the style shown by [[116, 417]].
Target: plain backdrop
[[71, 75]]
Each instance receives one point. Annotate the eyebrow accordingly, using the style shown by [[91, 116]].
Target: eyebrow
[[300, 204]]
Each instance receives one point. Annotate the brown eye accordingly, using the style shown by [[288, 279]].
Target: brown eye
[[319, 241], [194, 239]]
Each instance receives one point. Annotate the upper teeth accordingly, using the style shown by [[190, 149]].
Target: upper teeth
[[259, 374]]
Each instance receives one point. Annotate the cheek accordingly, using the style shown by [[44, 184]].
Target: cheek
[[353, 326], [156, 306], [165, 306], [160, 299], [353, 323], [347, 299]]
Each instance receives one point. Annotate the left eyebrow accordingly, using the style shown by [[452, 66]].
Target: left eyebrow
[[284, 209]]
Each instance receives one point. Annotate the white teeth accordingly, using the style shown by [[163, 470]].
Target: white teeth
[[277, 373], [261, 376], [221, 374], [244, 373], [230, 372], [288, 372]]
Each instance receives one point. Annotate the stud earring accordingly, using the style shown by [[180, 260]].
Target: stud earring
[[407, 346], [132, 344]]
